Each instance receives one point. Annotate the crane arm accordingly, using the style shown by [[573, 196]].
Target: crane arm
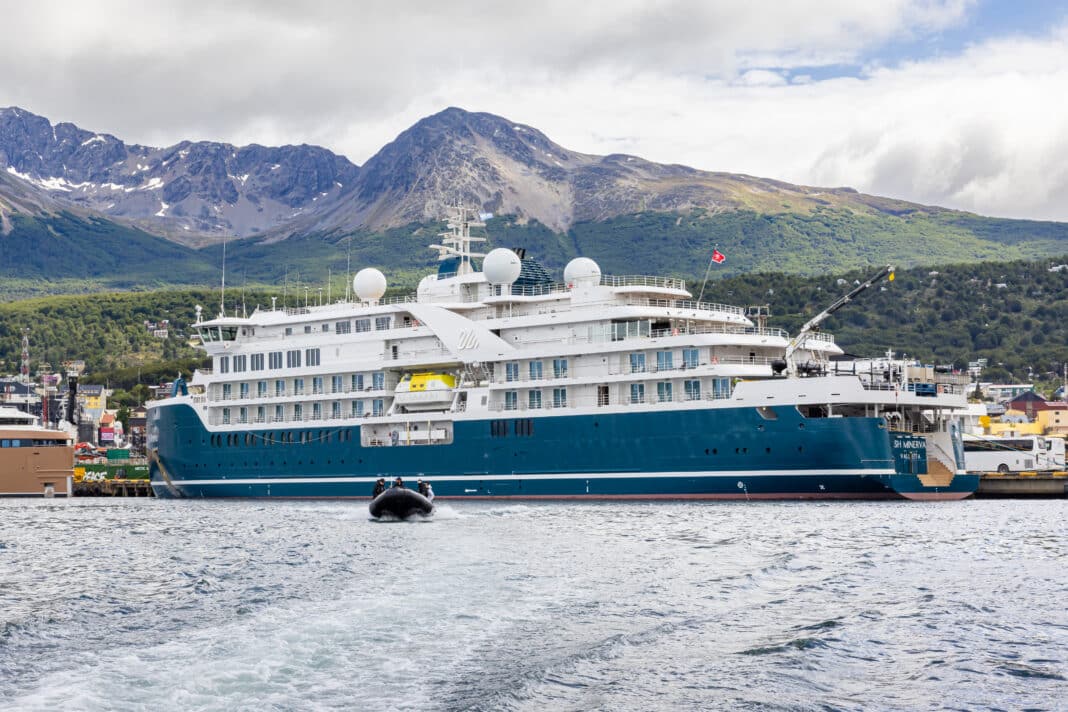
[[815, 321]]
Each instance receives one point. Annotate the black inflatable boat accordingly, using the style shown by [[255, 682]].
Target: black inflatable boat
[[400, 502]]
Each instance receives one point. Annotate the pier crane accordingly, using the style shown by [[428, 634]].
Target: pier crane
[[790, 365]]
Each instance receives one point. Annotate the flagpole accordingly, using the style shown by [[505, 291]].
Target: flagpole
[[708, 270]]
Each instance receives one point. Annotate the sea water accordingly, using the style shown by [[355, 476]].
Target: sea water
[[141, 604]]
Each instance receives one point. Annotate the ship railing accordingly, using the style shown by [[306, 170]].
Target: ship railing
[[288, 393], [642, 280], [303, 418], [654, 399], [690, 304], [721, 329], [916, 387], [679, 370]]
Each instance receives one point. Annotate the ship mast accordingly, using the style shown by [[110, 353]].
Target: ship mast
[[456, 242]]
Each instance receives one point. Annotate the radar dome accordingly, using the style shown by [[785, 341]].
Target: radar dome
[[582, 270], [501, 266], [369, 284]]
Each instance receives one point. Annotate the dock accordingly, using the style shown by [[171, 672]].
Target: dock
[[113, 488], [1023, 484]]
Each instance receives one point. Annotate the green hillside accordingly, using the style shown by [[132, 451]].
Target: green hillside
[[948, 314], [68, 254], [67, 250]]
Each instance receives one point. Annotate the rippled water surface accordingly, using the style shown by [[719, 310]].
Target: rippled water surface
[[161, 604]]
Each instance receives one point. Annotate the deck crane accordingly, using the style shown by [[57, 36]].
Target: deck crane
[[802, 335]]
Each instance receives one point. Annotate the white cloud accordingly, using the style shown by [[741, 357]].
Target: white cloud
[[685, 81]]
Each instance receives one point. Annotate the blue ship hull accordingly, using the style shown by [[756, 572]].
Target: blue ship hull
[[723, 453]]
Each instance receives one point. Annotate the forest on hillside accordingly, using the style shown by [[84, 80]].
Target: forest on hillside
[[1015, 314]]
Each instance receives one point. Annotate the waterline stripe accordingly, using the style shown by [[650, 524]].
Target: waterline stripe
[[557, 476]]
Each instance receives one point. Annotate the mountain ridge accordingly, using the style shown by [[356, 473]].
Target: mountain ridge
[[197, 193]]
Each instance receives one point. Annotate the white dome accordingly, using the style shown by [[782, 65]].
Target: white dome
[[369, 284], [582, 270], [501, 266]]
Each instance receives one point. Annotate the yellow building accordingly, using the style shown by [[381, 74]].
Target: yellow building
[[1054, 421], [1013, 423]]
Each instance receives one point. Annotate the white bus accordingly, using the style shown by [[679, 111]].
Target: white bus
[[1013, 454]]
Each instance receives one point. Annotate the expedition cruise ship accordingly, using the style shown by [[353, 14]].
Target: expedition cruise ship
[[501, 383]]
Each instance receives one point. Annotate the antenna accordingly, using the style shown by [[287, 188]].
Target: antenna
[[244, 283], [285, 288], [329, 277], [456, 241], [348, 270], [222, 288]]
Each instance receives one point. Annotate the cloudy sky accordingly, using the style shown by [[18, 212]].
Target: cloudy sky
[[962, 103]]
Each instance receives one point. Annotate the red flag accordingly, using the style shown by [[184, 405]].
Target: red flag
[[718, 257]]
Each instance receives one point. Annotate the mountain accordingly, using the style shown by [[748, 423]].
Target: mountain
[[105, 205], [193, 192], [510, 168], [190, 192]]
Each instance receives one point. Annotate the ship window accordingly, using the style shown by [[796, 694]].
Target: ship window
[[721, 388], [307, 328], [559, 398], [664, 360], [535, 400], [693, 390], [257, 362], [363, 325], [511, 371], [637, 363], [689, 358], [289, 331], [511, 400], [378, 381], [326, 327], [228, 333], [293, 359], [274, 359], [382, 323], [377, 406], [637, 393], [311, 357], [663, 392], [224, 364], [343, 327], [536, 371], [559, 368], [240, 364], [767, 413]]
